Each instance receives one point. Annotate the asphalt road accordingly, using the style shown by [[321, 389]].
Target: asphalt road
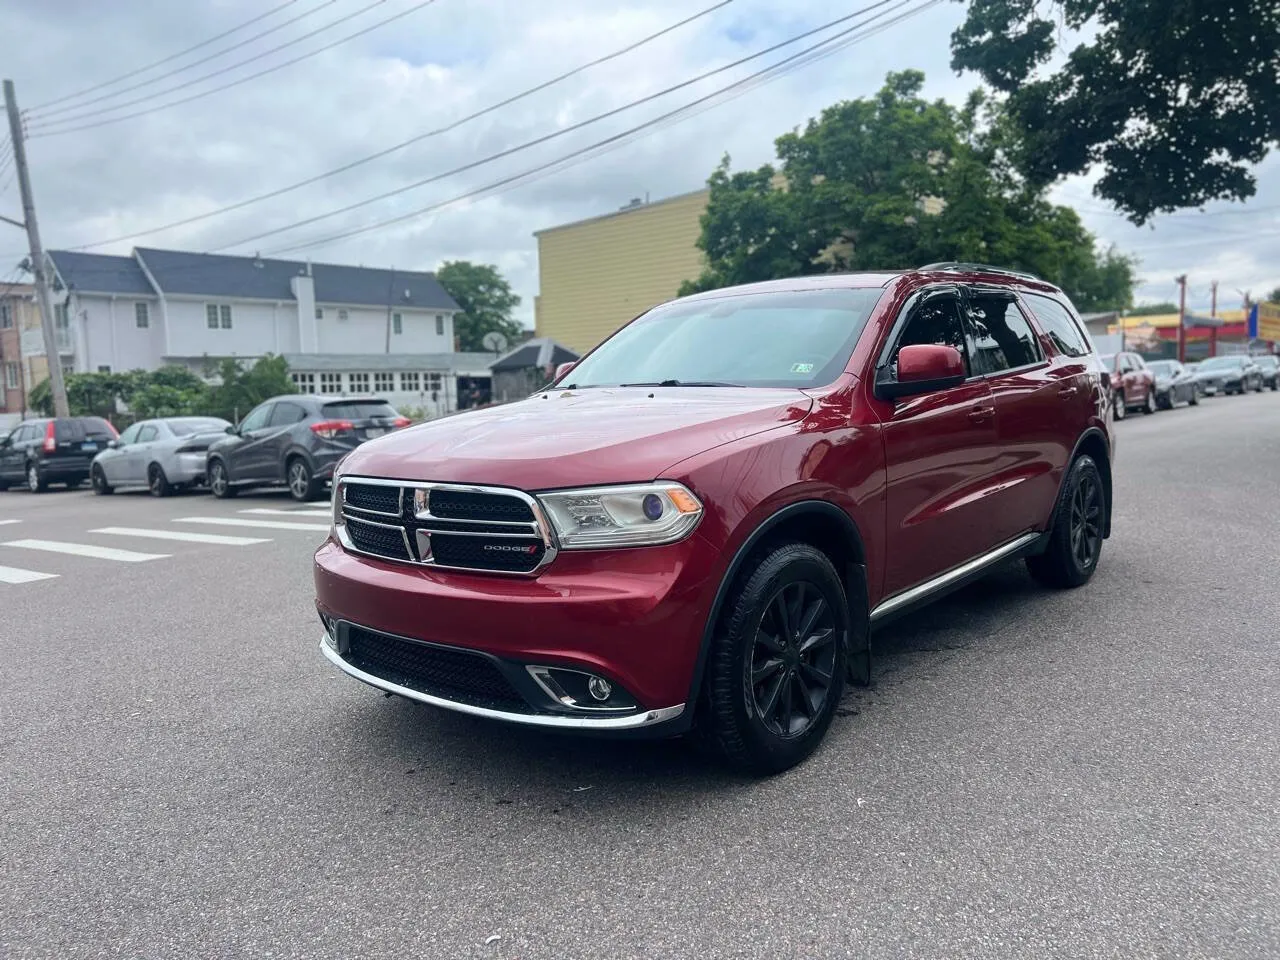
[[1084, 774]]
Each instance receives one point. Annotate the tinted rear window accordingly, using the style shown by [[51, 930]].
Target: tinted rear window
[[80, 428], [359, 410]]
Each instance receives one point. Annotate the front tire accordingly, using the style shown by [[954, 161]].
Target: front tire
[[157, 482], [1118, 410], [98, 479], [219, 481], [303, 487], [778, 661], [1075, 539], [1195, 397]]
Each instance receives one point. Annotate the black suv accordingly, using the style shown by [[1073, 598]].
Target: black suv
[[296, 440], [40, 452]]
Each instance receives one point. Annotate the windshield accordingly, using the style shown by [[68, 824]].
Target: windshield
[[1162, 368], [1222, 363], [185, 428], [786, 339]]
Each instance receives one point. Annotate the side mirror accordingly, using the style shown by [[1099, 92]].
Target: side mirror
[[562, 371], [232, 429], [113, 444], [922, 368]]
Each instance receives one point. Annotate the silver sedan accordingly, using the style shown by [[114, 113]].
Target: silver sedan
[[163, 455]]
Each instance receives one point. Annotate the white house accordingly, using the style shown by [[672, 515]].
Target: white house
[[160, 307]]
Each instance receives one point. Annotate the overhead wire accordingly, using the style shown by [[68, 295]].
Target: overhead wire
[[36, 113], [802, 58], [169, 59], [438, 131], [37, 130], [565, 131]]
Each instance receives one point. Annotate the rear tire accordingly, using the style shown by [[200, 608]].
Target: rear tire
[[778, 662], [1075, 539], [157, 482], [303, 487], [98, 479], [36, 481], [219, 481], [1195, 397], [1149, 404]]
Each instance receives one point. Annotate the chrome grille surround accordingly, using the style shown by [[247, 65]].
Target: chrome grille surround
[[415, 516]]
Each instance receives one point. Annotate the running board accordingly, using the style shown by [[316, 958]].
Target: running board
[[951, 580]]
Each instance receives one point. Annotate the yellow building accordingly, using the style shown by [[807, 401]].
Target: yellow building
[[596, 274]]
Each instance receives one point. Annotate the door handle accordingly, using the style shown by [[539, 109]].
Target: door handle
[[1069, 391], [982, 414]]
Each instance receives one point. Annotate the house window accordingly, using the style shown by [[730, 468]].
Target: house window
[[104, 368], [6, 316], [410, 382], [342, 314], [225, 311], [330, 383], [12, 375], [384, 382], [397, 326], [439, 324], [141, 316], [68, 369], [211, 315], [60, 318], [305, 382], [434, 381], [319, 313], [359, 383]]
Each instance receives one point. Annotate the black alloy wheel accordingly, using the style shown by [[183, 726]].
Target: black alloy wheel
[[157, 482], [792, 663], [1075, 540], [98, 480], [1086, 521]]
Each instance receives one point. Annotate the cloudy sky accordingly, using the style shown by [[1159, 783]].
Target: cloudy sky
[[440, 61]]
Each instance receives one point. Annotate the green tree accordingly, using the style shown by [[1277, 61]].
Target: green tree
[[238, 389], [1172, 100], [1152, 310], [1274, 296], [486, 300], [892, 181]]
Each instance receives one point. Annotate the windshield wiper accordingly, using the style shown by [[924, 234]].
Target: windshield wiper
[[681, 383]]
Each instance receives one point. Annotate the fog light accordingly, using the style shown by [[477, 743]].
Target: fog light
[[330, 630], [600, 688]]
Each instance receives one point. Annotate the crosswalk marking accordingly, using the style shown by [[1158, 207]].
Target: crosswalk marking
[[18, 575], [184, 535], [262, 524], [85, 550], [3, 522], [288, 513]]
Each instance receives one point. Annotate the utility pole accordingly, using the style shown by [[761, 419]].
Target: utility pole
[[1213, 312], [1182, 318], [51, 353]]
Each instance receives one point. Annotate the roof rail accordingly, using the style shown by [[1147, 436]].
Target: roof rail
[[951, 266]]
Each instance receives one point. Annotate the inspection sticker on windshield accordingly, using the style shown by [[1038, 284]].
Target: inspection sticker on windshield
[[802, 368]]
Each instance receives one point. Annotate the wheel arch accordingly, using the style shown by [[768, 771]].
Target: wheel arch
[[293, 452], [1092, 442], [830, 529]]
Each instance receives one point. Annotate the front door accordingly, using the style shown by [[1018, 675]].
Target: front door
[[137, 456], [250, 459], [939, 452], [11, 456]]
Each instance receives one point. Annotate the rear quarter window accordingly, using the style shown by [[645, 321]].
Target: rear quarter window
[[1058, 325]]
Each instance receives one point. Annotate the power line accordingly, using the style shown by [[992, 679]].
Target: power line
[[44, 131], [790, 63], [412, 140], [40, 115], [168, 59], [564, 131]]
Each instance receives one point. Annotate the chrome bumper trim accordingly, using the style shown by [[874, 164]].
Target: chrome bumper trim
[[631, 722]]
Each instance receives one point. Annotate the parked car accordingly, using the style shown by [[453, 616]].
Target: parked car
[[1175, 384], [165, 455], [1269, 366], [295, 440], [1230, 374], [52, 450], [696, 527], [1133, 386]]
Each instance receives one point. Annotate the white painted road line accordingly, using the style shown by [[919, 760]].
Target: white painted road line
[[261, 524], [18, 575], [85, 550], [184, 535], [3, 522], [311, 512]]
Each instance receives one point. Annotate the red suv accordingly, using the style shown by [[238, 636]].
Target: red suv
[[698, 525]]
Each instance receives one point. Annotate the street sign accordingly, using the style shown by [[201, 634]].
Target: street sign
[[1264, 321]]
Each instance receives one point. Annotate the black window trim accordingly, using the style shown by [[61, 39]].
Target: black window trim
[[1005, 293], [928, 292]]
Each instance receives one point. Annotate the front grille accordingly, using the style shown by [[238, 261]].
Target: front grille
[[488, 530], [372, 496], [444, 672], [506, 554], [384, 541], [466, 505]]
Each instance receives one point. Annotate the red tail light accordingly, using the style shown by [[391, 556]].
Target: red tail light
[[50, 441], [331, 428], [401, 422]]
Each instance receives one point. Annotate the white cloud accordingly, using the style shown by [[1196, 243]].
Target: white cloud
[[443, 62]]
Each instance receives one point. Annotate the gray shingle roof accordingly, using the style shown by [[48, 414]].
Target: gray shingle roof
[[98, 273], [215, 275], [538, 352], [379, 362]]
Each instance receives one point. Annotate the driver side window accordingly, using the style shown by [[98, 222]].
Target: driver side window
[[129, 436], [936, 321], [257, 418]]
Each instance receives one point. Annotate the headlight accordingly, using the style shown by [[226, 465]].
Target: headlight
[[643, 515]]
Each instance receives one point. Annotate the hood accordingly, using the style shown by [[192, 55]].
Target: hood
[[579, 437]]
